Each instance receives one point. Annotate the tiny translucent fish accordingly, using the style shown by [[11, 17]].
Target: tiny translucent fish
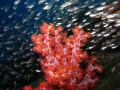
[[38, 71], [104, 47], [88, 13], [10, 42], [28, 62], [29, 54], [14, 73], [2, 54], [11, 15], [28, 65], [117, 20], [19, 75], [26, 2], [10, 58], [112, 15], [7, 77], [30, 75], [23, 62], [39, 13], [115, 46], [72, 9], [10, 48], [7, 8], [18, 26], [15, 7], [94, 5], [68, 3], [30, 5], [31, 59], [117, 25], [16, 52], [15, 59], [92, 47], [17, 2], [48, 7], [101, 8], [98, 24], [41, 1], [21, 47]]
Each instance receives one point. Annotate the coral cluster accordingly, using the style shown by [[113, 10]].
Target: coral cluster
[[65, 65]]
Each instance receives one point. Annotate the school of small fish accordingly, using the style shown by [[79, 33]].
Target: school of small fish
[[20, 19]]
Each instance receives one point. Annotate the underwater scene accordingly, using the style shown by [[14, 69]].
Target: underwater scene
[[59, 44]]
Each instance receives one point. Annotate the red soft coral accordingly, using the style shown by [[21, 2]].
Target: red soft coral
[[63, 58]]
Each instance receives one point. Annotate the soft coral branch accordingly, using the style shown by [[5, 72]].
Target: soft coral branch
[[63, 58]]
